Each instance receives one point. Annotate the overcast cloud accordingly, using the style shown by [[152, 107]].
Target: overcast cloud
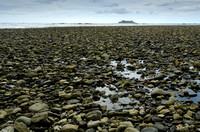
[[102, 11]]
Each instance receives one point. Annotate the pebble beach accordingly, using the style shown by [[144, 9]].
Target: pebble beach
[[100, 79]]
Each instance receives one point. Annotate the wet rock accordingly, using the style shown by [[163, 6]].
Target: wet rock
[[64, 81], [121, 128], [24, 119], [160, 76], [8, 129], [105, 120], [131, 67], [37, 107], [39, 117], [181, 128], [64, 95], [164, 111], [2, 114], [157, 92], [92, 124], [160, 127], [156, 119], [106, 56], [90, 130], [56, 110], [197, 64], [71, 68], [150, 85], [188, 115], [94, 115], [73, 101], [69, 107], [126, 123], [147, 118], [131, 129], [38, 69], [69, 128], [112, 129], [197, 115], [169, 102], [193, 107], [114, 97], [21, 127], [133, 112], [159, 108], [138, 95], [149, 129], [176, 116], [142, 112], [19, 82]]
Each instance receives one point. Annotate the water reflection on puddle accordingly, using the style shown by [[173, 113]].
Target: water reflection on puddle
[[83, 58], [196, 95], [197, 81], [107, 90], [123, 102], [127, 73], [120, 104]]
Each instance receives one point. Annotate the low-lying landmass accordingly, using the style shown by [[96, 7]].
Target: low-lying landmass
[[127, 21], [115, 79]]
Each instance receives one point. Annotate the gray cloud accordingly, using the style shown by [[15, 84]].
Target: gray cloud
[[112, 5], [137, 12], [165, 4], [114, 11], [6, 7], [120, 11], [49, 1], [180, 6], [94, 1], [170, 9], [148, 4]]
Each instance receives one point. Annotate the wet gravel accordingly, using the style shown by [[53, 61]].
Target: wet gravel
[[144, 78]]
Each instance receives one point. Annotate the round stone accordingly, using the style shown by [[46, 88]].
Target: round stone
[[149, 129], [21, 127], [69, 128], [24, 119], [131, 129], [2, 114], [39, 117], [38, 107]]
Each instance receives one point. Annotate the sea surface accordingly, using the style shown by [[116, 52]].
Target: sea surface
[[45, 25]]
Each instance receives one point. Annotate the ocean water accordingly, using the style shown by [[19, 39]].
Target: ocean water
[[45, 25]]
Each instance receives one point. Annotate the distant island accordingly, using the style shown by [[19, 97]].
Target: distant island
[[129, 21]]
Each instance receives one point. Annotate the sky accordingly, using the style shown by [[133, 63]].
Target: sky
[[99, 11]]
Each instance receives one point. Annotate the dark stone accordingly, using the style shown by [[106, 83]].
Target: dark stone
[[149, 129], [90, 130], [56, 110], [156, 119], [160, 127], [197, 115]]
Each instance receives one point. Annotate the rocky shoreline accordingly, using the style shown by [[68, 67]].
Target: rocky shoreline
[[106, 79]]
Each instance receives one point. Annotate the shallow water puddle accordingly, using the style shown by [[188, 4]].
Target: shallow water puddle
[[127, 73], [107, 90], [197, 81], [122, 102], [191, 93]]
